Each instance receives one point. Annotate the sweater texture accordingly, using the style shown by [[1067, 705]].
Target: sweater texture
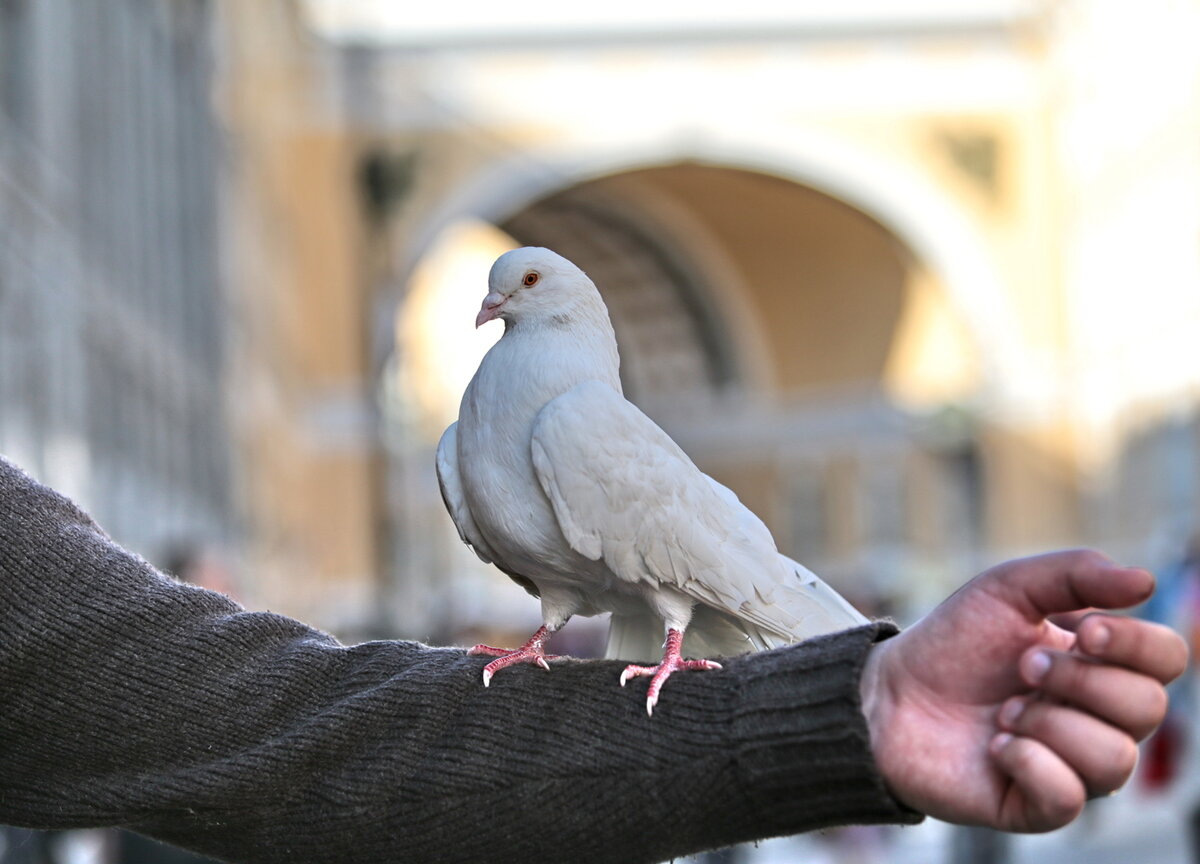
[[128, 699]]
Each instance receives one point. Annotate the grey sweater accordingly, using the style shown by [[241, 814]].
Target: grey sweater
[[128, 699]]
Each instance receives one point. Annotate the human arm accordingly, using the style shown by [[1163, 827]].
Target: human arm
[[128, 699], [967, 723]]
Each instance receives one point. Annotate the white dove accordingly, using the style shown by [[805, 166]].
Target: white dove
[[551, 475]]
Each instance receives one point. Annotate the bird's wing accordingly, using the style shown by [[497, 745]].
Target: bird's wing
[[822, 609], [624, 492], [452, 495]]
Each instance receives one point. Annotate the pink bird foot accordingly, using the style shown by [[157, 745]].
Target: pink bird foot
[[672, 661], [532, 651]]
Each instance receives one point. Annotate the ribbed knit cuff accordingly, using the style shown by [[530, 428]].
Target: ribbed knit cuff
[[805, 754]]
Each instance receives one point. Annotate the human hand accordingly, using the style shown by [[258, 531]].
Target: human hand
[[987, 713]]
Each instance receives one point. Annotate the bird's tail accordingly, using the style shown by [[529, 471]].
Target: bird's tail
[[635, 636], [819, 609]]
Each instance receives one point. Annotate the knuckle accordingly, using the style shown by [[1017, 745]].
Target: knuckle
[[1023, 757], [1124, 761], [1096, 623], [1152, 709], [1179, 657], [1035, 720], [1006, 573], [1117, 769], [1158, 702], [1063, 805], [1068, 674], [1086, 560]]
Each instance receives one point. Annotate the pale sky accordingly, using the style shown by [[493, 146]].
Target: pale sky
[[430, 23]]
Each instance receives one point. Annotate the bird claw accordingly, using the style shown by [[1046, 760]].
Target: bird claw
[[512, 658], [531, 652], [659, 674]]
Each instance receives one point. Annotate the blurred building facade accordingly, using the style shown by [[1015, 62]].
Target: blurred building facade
[[300, 388], [919, 284], [893, 274], [179, 340], [111, 309]]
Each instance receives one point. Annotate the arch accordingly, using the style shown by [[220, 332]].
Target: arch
[[673, 338], [894, 194]]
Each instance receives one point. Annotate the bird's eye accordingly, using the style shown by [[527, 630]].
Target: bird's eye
[[531, 279]]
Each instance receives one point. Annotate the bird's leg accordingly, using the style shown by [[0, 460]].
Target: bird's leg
[[672, 660], [532, 651]]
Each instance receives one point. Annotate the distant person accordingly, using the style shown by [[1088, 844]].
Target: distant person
[[1177, 605], [129, 699], [196, 564]]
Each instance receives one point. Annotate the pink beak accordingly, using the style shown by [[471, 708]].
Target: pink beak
[[492, 304]]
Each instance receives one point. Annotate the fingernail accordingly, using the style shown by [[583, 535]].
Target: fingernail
[[1010, 711], [1098, 637], [1037, 666], [1000, 742]]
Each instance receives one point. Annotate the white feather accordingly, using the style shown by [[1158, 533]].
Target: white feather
[[554, 476]]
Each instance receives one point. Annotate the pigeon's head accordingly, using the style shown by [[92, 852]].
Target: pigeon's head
[[534, 284]]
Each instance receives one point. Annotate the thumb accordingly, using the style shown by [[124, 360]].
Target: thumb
[[1063, 582]]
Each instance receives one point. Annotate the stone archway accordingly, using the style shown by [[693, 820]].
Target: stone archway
[[671, 340], [807, 295], [758, 321], [905, 203]]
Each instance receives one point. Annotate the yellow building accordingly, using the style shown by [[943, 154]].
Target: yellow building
[[920, 285], [891, 275]]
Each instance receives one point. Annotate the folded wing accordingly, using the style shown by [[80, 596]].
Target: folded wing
[[624, 492]]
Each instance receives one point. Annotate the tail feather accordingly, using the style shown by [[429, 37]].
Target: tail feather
[[635, 637], [817, 607], [820, 608]]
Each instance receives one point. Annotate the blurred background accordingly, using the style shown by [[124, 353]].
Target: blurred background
[[919, 280]]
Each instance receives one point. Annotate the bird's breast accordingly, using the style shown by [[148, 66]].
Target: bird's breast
[[517, 378], [499, 483]]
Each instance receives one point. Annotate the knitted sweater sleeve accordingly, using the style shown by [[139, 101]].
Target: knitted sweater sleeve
[[128, 699]]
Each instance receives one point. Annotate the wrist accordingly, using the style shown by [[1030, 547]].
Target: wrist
[[878, 704], [870, 696], [799, 731]]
